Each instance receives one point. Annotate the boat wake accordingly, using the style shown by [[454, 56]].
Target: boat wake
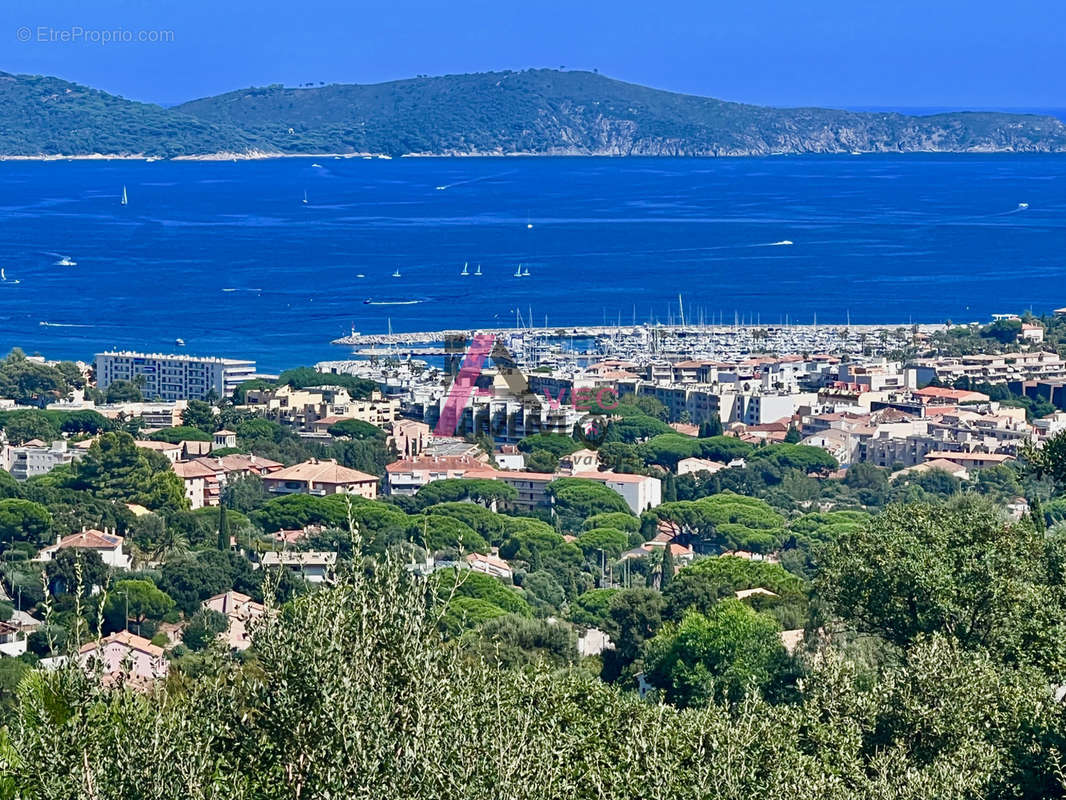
[[392, 302], [446, 186], [63, 325]]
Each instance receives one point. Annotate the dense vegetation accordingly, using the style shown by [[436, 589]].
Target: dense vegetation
[[534, 111]]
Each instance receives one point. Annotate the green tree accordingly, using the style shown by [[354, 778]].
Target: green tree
[[223, 528], [199, 415], [140, 598], [611, 541], [114, 468], [124, 392], [1049, 460], [960, 570], [23, 426], [73, 570], [541, 461], [553, 443], [633, 617], [712, 427], [181, 433], [577, 499], [718, 656], [666, 567], [203, 628], [24, 521], [357, 429]]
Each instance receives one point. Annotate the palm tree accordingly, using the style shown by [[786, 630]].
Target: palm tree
[[170, 545]]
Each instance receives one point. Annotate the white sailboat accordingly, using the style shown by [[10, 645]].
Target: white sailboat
[[525, 274], [3, 275], [518, 272], [396, 274], [305, 197], [478, 272], [66, 261], [125, 201], [466, 268]]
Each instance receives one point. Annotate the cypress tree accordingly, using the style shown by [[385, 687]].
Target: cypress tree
[[1036, 513], [223, 528], [666, 571], [714, 427], [670, 488]]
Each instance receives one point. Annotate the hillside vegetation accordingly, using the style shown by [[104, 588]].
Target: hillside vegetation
[[535, 111]]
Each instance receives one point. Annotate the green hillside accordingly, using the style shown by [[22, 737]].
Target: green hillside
[[535, 111]]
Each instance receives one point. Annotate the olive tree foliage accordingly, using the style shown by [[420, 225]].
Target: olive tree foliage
[[962, 570], [351, 694]]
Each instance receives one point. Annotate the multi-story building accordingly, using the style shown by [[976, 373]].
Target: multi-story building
[[994, 368], [173, 377], [321, 478], [38, 458], [640, 492]]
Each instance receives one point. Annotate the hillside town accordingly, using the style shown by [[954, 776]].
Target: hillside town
[[804, 440]]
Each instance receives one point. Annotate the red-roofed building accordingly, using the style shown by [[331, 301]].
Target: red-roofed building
[[940, 394], [107, 544], [125, 654]]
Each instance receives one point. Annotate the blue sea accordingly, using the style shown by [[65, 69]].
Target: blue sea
[[228, 257]]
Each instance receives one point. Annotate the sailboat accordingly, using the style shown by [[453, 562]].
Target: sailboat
[[3, 275], [518, 272], [305, 197], [125, 200], [396, 274], [478, 272], [466, 268], [526, 273]]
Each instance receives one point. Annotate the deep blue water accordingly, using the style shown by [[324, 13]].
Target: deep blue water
[[227, 257]]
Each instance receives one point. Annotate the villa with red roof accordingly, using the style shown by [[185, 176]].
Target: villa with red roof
[[106, 543]]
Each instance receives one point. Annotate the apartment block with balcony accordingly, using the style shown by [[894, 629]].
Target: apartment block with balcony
[[173, 377]]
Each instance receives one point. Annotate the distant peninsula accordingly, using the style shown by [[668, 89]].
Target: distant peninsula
[[532, 112]]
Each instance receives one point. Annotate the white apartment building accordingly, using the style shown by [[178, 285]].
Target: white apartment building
[[38, 458], [991, 368], [173, 377], [640, 492]]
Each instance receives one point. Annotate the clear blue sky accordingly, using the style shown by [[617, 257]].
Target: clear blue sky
[[844, 53]]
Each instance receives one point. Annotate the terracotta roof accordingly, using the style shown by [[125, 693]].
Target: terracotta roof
[[192, 469], [991, 458], [438, 463], [957, 395], [130, 640], [148, 444], [613, 477], [491, 560], [321, 472], [90, 540]]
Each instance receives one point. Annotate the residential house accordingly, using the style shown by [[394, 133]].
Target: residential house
[[490, 565], [640, 492], [201, 483], [107, 544], [37, 458], [691, 465], [224, 439], [409, 437], [125, 654], [312, 566], [321, 478], [240, 611], [407, 476]]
